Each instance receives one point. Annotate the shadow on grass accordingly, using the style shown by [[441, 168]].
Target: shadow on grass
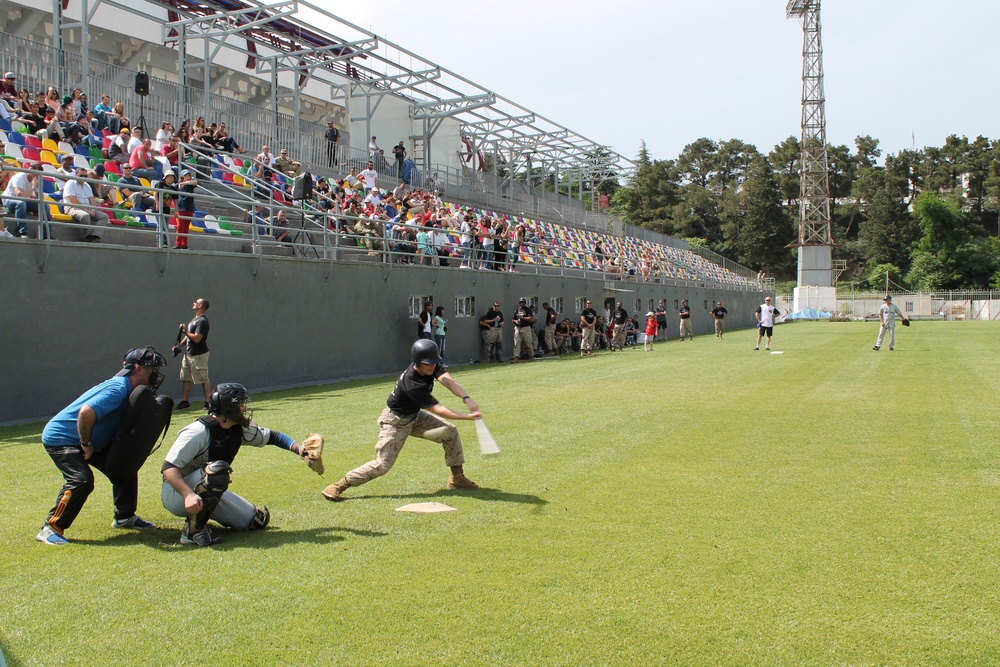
[[32, 436], [169, 538], [482, 493]]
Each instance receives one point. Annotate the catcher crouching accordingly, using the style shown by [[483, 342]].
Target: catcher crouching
[[196, 472], [412, 410]]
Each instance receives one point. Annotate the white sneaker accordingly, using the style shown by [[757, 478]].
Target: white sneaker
[[4, 234]]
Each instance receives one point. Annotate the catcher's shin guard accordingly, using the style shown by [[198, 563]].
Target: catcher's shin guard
[[214, 482], [261, 518]]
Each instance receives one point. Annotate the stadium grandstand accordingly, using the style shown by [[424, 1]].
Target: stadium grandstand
[[280, 117]]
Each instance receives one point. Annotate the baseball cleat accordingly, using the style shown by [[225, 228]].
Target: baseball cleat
[[202, 538], [48, 535]]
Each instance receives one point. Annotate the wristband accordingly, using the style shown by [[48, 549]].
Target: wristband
[[465, 398]]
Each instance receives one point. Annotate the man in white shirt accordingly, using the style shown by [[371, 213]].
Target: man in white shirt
[[765, 315], [21, 184], [79, 193], [266, 157], [887, 316], [373, 148], [370, 177]]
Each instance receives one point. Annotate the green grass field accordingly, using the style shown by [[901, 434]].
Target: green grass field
[[703, 504]]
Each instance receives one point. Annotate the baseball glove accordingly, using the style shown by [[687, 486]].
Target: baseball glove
[[312, 452], [906, 322]]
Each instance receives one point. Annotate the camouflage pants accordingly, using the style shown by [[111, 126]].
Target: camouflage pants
[[392, 437], [491, 343], [550, 338], [523, 340], [618, 341]]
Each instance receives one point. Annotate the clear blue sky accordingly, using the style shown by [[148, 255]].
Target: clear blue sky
[[907, 72]]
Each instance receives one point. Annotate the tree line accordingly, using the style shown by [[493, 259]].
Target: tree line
[[929, 217]]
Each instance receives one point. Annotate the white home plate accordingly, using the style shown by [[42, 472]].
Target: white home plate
[[426, 508], [776, 352]]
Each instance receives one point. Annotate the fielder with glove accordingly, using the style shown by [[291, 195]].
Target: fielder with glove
[[196, 472], [887, 316]]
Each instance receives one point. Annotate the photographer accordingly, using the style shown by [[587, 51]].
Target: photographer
[[193, 342]]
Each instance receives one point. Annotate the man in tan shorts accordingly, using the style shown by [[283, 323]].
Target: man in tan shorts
[[412, 410], [194, 364]]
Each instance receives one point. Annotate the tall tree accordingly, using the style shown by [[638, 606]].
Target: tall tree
[[698, 162], [786, 160], [761, 228]]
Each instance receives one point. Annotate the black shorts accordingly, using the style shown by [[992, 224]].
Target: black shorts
[[766, 331]]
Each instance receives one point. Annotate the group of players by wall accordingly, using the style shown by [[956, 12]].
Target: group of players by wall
[[541, 332]]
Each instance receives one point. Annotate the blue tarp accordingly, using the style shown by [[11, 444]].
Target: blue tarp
[[807, 314]]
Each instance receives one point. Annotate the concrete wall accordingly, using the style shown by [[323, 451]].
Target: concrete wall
[[66, 328]]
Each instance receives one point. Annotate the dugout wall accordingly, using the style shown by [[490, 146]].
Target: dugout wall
[[275, 322]]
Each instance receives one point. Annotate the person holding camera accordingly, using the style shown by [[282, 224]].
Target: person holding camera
[[193, 342]]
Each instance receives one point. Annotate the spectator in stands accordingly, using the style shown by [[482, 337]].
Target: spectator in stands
[[279, 227], [52, 99], [399, 192], [118, 119], [286, 165], [132, 191], [52, 128], [255, 216], [373, 148], [185, 208], [500, 237], [171, 151], [441, 242], [371, 232], [104, 113], [163, 136], [332, 137], [370, 177], [224, 142], [719, 313], [66, 114], [201, 139], [66, 167], [399, 152], [83, 207], [118, 150], [83, 132], [22, 184], [32, 119], [8, 90], [143, 164], [685, 315], [80, 102]]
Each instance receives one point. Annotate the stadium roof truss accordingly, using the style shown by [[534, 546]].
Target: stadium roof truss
[[284, 37]]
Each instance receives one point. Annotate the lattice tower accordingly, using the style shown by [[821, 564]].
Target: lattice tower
[[814, 191]]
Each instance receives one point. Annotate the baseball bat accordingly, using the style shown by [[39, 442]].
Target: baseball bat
[[487, 444]]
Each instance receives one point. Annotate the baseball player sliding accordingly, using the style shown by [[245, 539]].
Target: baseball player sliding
[[409, 412], [197, 468]]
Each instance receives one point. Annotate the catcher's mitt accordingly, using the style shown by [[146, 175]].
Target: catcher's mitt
[[906, 322], [312, 452]]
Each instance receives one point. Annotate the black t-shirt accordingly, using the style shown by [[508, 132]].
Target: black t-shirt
[[685, 312], [661, 315], [198, 325], [413, 391], [588, 316], [398, 152], [332, 134], [562, 329], [719, 312], [550, 316], [522, 316], [620, 316], [490, 314]]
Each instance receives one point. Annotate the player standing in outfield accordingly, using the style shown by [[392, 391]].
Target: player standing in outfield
[[412, 410], [887, 316], [588, 320], [651, 327], [197, 468], [719, 313], [79, 437], [765, 315]]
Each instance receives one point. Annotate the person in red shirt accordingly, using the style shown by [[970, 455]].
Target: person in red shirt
[[651, 328]]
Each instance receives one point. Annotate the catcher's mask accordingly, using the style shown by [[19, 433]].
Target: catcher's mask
[[425, 351], [144, 356], [230, 400]]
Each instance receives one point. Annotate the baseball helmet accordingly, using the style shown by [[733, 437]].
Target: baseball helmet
[[425, 351], [144, 356], [229, 400]]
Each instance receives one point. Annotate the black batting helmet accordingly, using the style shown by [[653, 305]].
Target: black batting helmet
[[425, 351], [229, 400]]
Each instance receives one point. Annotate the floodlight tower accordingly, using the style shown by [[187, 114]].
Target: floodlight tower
[[815, 288]]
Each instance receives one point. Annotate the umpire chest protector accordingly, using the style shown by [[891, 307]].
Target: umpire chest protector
[[224, 443], [146, 420]]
